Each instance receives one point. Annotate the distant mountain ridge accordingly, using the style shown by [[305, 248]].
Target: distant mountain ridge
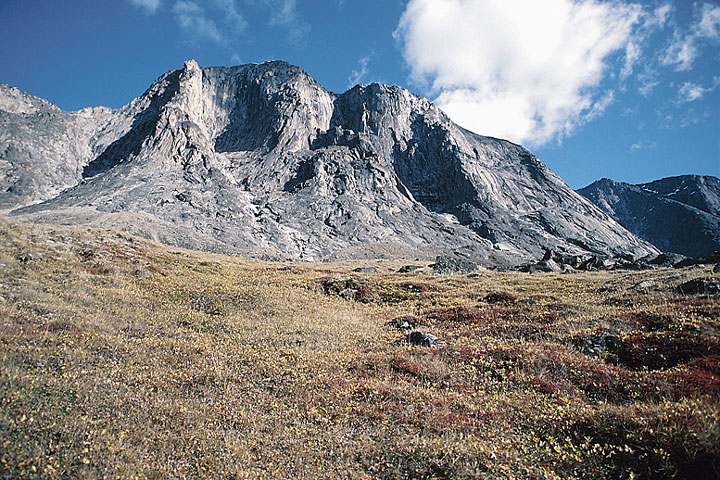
[[676, 214], [261, 160]]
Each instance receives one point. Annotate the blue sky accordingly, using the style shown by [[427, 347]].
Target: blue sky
[[596, 88]]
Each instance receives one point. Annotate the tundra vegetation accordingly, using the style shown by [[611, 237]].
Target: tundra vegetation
[[123, 358]]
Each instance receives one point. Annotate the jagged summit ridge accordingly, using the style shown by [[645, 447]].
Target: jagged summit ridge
[[260, 159], [678, 214]]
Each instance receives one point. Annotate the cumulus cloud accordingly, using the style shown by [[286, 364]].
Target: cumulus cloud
[[150, 6], [524, 70], [685, 47], [357, 76]]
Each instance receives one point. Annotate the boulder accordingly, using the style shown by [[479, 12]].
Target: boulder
[[450, 265], [408, 268], [603, 344], [699, 286], [365, 270], [422, 339], [349, 288], [341, 284], [543, 266], [596, 263], [500, 297], [667, 259]]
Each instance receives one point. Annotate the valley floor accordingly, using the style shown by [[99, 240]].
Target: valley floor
[[123, 358]]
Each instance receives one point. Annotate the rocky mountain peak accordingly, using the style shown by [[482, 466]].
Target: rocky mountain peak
[[13, 100], [677, 214], [191, 66], [260, 159]]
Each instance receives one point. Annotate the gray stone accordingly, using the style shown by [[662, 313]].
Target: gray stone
[[408, 268], [699, 286], [603, 345], [261, 160], [422, 339], [447, 265], [691, 262], [365, 270], [26, 257], [341, 285]]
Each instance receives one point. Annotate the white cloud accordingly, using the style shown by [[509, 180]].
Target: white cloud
[[200, 23], [647, 80], [357, 76], [681, 53], [632, 55], [709, 25], [236, 59], [150, 6], [646, 88], [283, 13], [643, 145], [600, 105], [192, 18], [234, 20], [650, 22], [524, 70], [658, 18], [685, 47], [691, 91]]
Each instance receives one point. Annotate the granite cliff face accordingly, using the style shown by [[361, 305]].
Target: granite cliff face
[[262, 160], [676, 214]]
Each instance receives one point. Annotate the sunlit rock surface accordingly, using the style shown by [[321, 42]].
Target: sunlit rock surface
[[261, 160]]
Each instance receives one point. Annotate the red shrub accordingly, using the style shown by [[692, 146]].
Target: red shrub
[[665, 350], [405, 366], [545, 385], [701, 376]]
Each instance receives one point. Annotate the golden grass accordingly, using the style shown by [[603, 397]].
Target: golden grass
[[125, 358]]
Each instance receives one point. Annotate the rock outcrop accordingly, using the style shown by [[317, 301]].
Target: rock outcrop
[[261, 160], [676, 214]]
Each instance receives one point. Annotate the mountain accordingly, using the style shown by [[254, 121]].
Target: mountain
[[261, 160], [676, 214]]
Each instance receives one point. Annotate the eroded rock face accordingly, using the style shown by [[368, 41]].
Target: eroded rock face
[[261, 160], [676, 214]]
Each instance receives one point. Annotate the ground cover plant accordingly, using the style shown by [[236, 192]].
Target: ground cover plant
[[123, 358]]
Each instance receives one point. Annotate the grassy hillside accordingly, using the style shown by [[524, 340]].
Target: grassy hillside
[[125, 358]]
